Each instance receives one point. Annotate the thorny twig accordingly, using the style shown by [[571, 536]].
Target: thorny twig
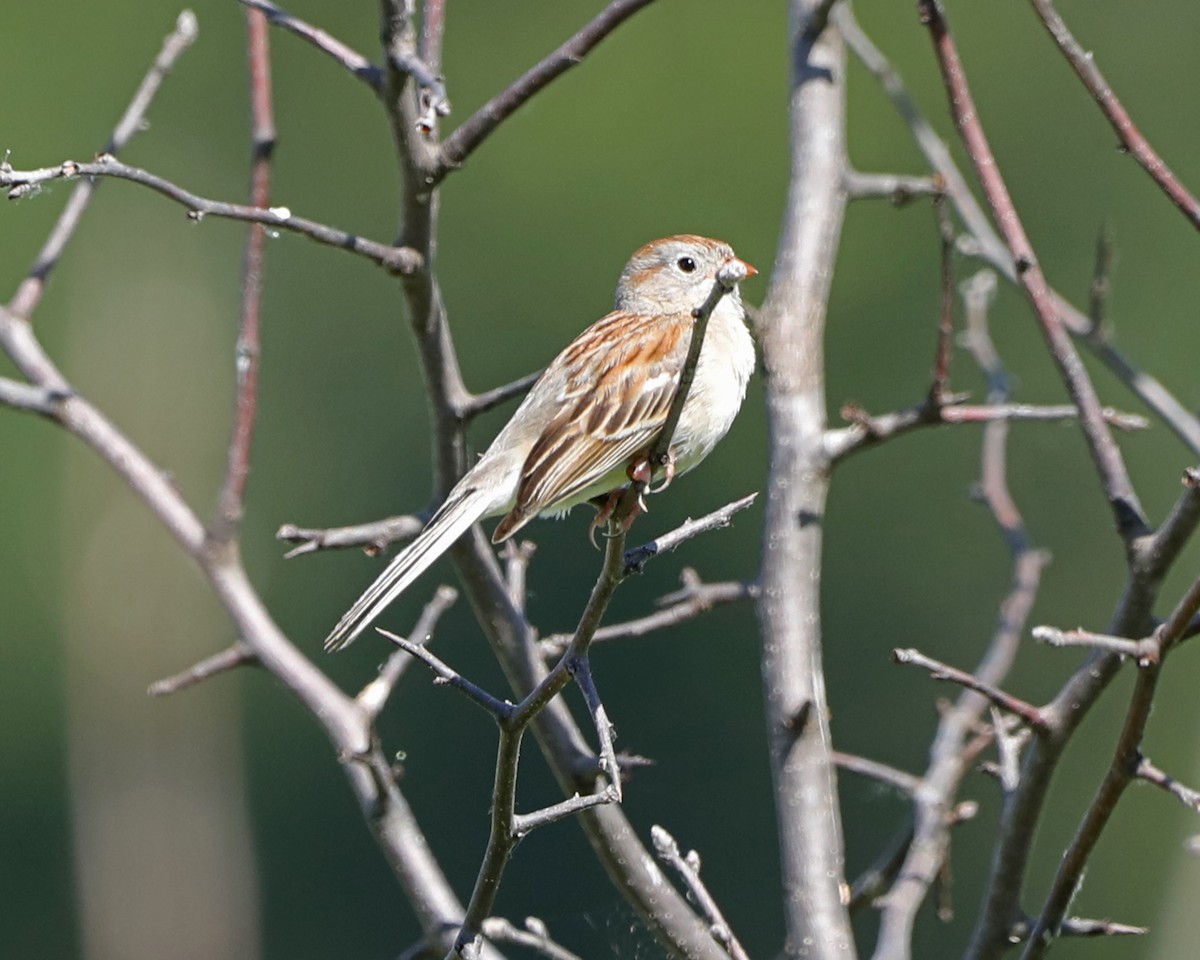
[[688, 867]]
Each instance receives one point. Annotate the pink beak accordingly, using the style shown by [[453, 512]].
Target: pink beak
[[751, 271]]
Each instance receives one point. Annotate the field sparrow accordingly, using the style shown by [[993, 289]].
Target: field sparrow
[[588, 424]]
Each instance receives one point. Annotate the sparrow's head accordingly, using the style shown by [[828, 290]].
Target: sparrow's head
[[678, 273]]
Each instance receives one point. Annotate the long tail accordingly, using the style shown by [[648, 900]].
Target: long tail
[[453, 518]]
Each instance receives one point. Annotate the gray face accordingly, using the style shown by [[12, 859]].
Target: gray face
[[672, 274]]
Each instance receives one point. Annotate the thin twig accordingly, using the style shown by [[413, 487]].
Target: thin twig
[[941, 671], [23, 396], [899, 780], [1156, 554], [29, 293], [1121, 772], [1106, 455], [688, 868], [353, 61], [227, 659], [524, 824], [959, 738], [375, 694], [457, 147], [500, 709], [1132, 140], [231, 498], [581, 669], [868, 431], [1095, 641], [638, 557], [535, 936], [375, 537], [727, 279], [899, 188], [434, 101], [508, 827], [397, 260], [940, 385], [490, 399], [1151, 391], [679, 607], [1147, 771]]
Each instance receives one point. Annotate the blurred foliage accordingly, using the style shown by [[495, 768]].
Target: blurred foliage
[[676, 123]]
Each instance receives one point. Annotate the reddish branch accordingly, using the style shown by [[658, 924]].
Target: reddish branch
[[232, 495], [991, 248], [1132, 141], [1110, 465]]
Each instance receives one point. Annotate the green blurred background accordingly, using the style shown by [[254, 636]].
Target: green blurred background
[[217, 822]]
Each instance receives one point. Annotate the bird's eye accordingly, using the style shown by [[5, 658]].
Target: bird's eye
[[686, 264]]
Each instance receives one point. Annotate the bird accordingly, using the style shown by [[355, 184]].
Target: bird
[[589, 423]]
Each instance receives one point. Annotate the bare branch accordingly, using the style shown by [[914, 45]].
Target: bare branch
[[899, 780], [433, 28], [688, 868], [1132, 141], [397, 260], [353, 61], [581, 670], [466, 139], [227, 659], [231, 498], [1122, 770], [694, 599], [959, 738], [22, 396], [534, 935], [29, 293], [374, 537], [728, 277], [791, 327], [490, 399], [524, 824], [1153, 393], [1155, 555], [1095, 641], [1084, 927], [940, 385], [500, 709], [1106, 456], [375, 694], [899, 188], [868, 431], [637, 558], [1147, 771], [941, 671]]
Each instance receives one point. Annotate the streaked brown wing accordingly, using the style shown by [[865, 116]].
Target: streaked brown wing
[[624, 371]]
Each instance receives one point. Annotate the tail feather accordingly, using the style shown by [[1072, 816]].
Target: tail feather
[[450, 522]]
